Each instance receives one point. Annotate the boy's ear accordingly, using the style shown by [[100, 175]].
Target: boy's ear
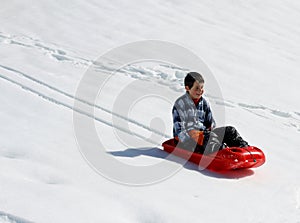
[[187, 88]]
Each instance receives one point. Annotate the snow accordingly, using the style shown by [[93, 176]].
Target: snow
[[47, 47]]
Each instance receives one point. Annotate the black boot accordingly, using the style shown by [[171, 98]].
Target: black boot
[[234, 137], [230, 136]]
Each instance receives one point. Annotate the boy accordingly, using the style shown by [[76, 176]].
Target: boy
[[193, 122]]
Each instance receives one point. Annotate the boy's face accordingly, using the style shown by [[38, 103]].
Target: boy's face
[[196, 91]]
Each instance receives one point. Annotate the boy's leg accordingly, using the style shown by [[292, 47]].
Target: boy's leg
[[190, 145], [213, 141], [231, 136]]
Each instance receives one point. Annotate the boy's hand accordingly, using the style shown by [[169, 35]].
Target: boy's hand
[[197, 136]]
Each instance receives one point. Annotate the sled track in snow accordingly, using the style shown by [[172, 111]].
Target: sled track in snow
[[55, 101], [8, 218], [250, 108], [81, 100], [290, 119]]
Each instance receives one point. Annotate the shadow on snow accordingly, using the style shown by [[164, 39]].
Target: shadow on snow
[[159, 153]]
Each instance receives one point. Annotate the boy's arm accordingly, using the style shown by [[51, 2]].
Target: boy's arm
[[184, 134], [210, 122], [179, 129]]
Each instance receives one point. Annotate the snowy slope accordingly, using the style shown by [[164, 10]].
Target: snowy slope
[[46, 47]]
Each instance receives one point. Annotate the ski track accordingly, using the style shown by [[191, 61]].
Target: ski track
[[80, 100], [57, 102], [159, 75], [8, 218]]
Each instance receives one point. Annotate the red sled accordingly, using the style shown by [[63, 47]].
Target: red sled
[[231, 158]]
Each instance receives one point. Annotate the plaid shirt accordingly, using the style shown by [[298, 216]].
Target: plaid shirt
[[188, 116]]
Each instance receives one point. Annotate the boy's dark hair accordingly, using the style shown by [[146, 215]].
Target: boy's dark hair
[[191, 77]]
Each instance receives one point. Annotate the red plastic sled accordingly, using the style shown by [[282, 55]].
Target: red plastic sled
[[231, 158]]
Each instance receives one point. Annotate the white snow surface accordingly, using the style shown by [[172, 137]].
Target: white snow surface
[[251, 47]]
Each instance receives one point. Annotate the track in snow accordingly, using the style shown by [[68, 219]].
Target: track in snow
[[158, 75], [8, 218]]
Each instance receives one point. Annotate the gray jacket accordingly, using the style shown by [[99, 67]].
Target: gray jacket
[[188, 116]]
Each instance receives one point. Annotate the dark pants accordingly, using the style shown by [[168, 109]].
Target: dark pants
[[215, 140]]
